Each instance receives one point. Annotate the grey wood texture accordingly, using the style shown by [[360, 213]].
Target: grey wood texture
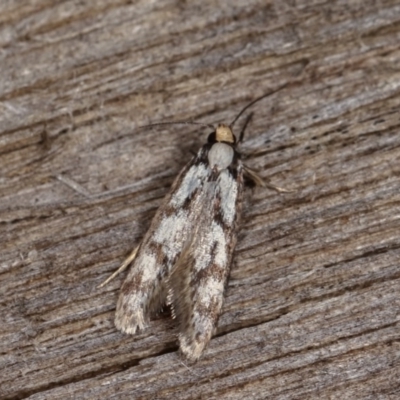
[[312, 307]]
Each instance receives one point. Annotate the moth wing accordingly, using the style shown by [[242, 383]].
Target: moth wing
[[198, 281], [144, 289]]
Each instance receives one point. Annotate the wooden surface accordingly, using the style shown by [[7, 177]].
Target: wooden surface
[[312, 308]]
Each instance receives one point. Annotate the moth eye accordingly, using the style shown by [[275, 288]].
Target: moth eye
[[211, 138]]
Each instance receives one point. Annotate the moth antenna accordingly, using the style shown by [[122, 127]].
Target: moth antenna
[[178, 123], [256, 101], [249, 117]]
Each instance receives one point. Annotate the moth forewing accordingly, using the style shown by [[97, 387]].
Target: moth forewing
[[144, 287], [198, 282]]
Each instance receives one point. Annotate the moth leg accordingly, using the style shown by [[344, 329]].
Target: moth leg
[[253, 176], [124, 265]]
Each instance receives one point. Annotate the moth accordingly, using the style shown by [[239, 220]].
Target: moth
[[185, 257]]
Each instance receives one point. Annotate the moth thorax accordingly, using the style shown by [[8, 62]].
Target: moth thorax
[[224, 134], [220, 155]]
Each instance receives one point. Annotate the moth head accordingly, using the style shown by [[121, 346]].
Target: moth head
[[223, 134], [221, 153]]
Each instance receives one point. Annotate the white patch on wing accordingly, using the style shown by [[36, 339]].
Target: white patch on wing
[[146, 264], [219, 237], [209, 292], [202, 257], [189, 184], [228, 189], [171, 232], [213, 234]]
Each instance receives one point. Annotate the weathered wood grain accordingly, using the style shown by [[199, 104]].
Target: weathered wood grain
[[312, 308]]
